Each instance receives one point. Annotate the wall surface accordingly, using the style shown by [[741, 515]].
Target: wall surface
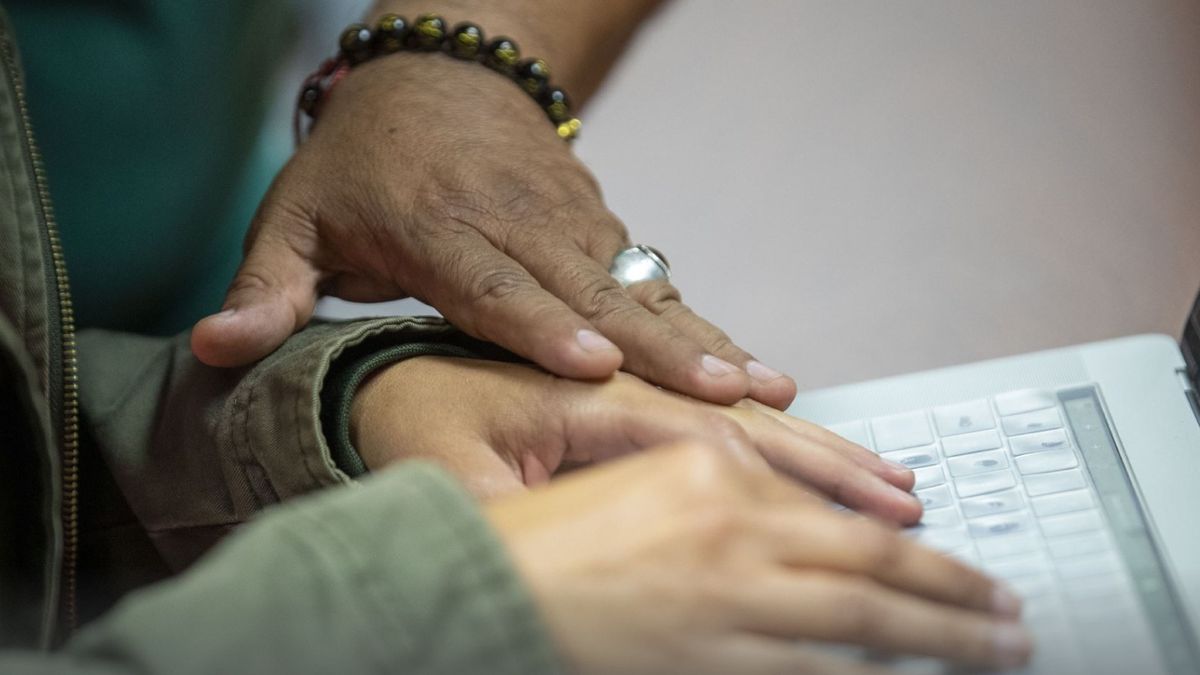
[[854, 189]]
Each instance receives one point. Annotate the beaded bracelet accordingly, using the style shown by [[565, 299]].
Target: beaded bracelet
[[359, 43]]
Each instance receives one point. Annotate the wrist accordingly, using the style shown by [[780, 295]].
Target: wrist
[[580, 39], [434, 101]]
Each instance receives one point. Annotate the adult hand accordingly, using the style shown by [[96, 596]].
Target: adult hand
[[437, 179], [689, 560], [501, 427]]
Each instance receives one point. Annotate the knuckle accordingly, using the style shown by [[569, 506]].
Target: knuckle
[[604, 236], [496, 286], [604, 301], [720, 343], [721, 425], [707, 471], [880, 549], [252, 278], [859, 614], [660, 297]]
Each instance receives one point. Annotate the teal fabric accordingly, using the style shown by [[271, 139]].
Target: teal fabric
[[149, 115]]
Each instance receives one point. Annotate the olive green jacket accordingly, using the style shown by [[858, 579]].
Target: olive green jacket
[[123, 461]]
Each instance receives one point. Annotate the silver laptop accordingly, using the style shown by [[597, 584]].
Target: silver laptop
[[1072, 474]]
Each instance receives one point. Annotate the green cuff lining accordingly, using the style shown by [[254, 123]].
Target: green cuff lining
[[347, 374]]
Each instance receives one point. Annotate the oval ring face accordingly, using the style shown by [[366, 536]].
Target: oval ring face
[[639, 263]]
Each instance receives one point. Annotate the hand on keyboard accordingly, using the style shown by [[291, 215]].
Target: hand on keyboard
[[698, 562]]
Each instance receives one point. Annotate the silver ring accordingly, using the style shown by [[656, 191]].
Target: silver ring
[[639, 263]]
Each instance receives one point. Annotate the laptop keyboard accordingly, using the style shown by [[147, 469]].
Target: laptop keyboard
[[1005, 489]]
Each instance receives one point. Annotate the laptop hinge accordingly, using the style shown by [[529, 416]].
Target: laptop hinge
[[1191, 344]]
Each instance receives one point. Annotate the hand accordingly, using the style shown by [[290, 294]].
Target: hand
[[690, 560], [441, 180], [501, 427]]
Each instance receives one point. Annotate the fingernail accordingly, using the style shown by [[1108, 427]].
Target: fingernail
[[896, 465], [762, 373], [716, 367], [591, 341], [1012, 644], [1005, 602], [226, 313]]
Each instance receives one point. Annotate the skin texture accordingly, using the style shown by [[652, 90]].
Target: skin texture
[[692, 559], [438, 179], [501, 428]]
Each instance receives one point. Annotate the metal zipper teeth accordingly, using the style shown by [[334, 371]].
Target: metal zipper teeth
[[70, 365]]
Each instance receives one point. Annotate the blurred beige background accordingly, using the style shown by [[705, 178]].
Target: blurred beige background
[[855, 189]]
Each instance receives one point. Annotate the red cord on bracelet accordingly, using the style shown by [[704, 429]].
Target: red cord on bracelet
[[313, 92]]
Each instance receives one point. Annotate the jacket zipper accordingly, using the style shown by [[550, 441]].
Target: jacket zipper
[[69, 416]]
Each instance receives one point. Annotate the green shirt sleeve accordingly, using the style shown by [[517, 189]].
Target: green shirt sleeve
[[399, 575]]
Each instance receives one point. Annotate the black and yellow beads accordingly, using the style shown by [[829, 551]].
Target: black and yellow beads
[[502, 55], [390, 34], [429, 33], [356, 43], [466, 42]]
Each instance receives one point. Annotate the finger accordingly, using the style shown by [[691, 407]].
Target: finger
[[654, 349], [897, 474], [843, 609], [824, 468], [608, 237], [490, 296], [861, 547], [751, 654], [766, 384], [272, 295]]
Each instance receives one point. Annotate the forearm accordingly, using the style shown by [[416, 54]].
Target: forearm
[[402, 575], [580, 39]]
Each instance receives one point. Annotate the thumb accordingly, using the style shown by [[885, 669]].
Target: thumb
[[272, 295]]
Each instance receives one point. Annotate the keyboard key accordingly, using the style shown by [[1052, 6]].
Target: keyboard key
[[935, 497], [1027, 423], [1072, 523], [897, 432], [1049, 483], [968, 443], [1083, 544], [992, 548], [980, 462], [914, 458], [855, 432], [928, 476], [1017, 522], [1026, 400], [990, 505], [1032, 586], [1020, 566], [1049, 440], [1044, 462], [1044, 612], [1063, 502], [1088, 565], [940, 518], [944, 539], [963, 418], [1086, 589], [983, 483]]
